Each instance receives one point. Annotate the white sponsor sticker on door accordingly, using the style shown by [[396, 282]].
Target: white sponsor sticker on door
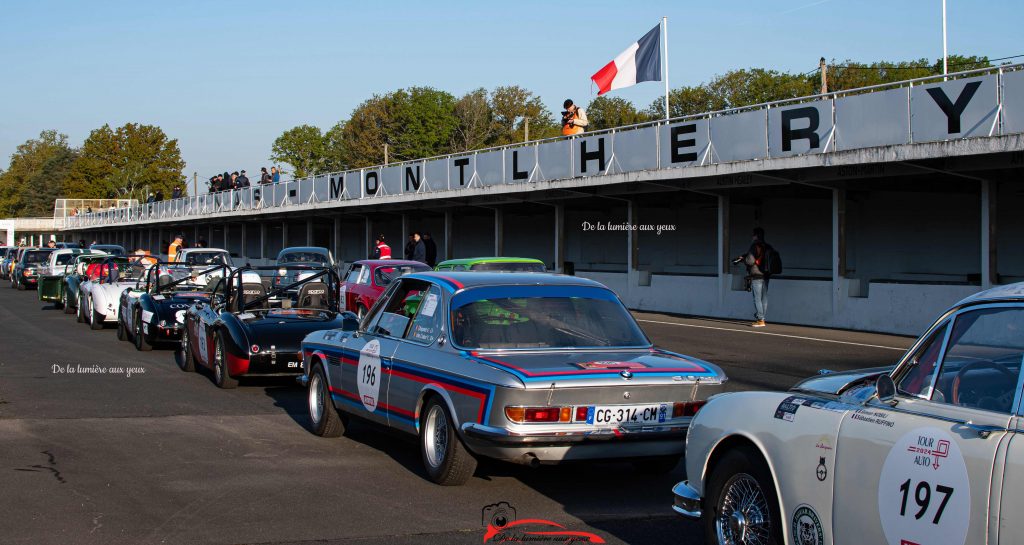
[[430, 305], [924, 495], [368, 375]]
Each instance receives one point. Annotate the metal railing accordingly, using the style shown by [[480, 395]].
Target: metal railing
[[340, 186]]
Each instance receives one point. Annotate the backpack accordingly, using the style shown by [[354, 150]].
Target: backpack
[[773, 261]]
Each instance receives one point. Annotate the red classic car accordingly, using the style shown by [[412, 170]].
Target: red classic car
[[365, 280]]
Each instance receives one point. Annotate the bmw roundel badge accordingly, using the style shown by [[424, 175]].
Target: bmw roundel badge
[[626, 374]]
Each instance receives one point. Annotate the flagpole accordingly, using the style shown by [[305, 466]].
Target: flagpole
[[664, 40]]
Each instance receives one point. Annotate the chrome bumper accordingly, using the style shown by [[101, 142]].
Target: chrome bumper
[[502, 436], [686, 501]]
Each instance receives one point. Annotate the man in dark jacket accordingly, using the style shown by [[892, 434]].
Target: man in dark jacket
[[756, 262], [410, 245], [419, 249], [176, 194], [243, 180], [431, 246], [265, 177]]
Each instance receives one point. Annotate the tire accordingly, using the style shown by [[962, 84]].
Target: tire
[[324, 419], [68, 309], [141, 343], [446, 459], [96, 323], [122, 333], [656, 465], [183, 357], [80, 318], [742, 477], [220, 366], [21, 286]]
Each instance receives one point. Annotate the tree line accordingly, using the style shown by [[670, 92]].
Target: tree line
[[133, 160], [127, 163]]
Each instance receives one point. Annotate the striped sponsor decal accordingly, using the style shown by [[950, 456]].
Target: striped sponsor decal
[[691, 368]]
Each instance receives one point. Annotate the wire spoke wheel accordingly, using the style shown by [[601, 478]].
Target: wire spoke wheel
[[436, 437], [743, 515]]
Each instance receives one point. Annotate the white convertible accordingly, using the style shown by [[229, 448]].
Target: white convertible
[[929, 452], [99, 296]]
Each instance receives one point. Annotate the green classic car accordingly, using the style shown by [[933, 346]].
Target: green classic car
[[60, 284], [492, 264]]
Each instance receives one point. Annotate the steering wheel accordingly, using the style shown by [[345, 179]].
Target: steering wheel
[[955, 395]]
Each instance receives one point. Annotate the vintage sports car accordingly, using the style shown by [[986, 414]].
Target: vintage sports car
[[312, 256], [524, 367], [246, 330], [100, 295], [368, 278], [930, 451], [51, 277], [493, 264], [76, 274], [26, 269], [112, 249], [157, 314]]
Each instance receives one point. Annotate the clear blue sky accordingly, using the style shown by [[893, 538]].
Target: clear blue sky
[[226, 78]]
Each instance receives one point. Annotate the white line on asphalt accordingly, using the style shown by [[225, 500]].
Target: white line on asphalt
[[774, 334]]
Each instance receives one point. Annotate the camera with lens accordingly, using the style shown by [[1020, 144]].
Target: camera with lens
[[567, 117], [499, 514]]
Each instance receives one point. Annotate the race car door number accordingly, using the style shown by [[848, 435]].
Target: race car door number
[[627, 414]]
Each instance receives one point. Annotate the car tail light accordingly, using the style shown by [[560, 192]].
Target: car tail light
[[526, 415], [255, 348], [688, 408], [581, 414]]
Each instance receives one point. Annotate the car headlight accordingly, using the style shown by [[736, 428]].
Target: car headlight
[[282, 272]]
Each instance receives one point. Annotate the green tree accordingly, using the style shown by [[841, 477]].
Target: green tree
[[364, 134], [334, 148], [852, 75], [476, 125], [687, 100], [36, 176], [512, 105], [605, 112], [301, 147], [129, 161]]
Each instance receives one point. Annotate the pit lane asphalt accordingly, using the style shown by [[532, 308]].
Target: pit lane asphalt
[[163, 456]]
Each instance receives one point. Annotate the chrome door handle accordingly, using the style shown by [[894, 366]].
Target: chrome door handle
[[982, 430]]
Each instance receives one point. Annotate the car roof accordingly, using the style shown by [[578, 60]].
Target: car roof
[[478, 260], [297, 249], [392, 262], [1009, 292], [201, 250], [466, 279]]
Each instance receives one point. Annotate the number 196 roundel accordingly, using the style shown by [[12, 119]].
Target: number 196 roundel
[[368, 375]]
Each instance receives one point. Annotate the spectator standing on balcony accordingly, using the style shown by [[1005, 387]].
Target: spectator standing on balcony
[[225, 182], [243, 180], [275, 175], [159, 195], [265, 177], [149, 200], [431, 246], [574, 119], [176, 194]]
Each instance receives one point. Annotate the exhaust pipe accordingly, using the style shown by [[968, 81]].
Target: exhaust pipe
[[529, 459]]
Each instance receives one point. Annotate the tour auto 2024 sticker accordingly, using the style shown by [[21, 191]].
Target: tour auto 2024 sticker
[[924, 495], [368, 375]]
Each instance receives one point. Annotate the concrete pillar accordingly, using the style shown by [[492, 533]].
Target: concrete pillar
[[633, 238], [227, 227], [838, 249], [559, 238], [309, 232], [336, 237], [499, 232], [989, 271], [284, 234], [263, 240], [448, 228], [245, 247], [368, 237], [724, 278], [405, 226]]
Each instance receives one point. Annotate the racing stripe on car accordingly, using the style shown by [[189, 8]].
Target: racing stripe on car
[[694, 369], [353, 399]]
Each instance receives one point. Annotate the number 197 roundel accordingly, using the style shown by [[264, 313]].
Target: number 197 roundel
[[525, 367], [923, 452]]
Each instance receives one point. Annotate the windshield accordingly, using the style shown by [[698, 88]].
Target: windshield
[[543, 317], [508, 267], [64, 259], [35, 258], [385, 275], [112, 250], [207, 258], [305, 257]]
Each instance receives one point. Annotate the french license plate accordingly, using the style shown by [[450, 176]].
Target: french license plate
[[603, 415]]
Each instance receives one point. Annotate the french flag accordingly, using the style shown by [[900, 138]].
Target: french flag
[[639, 62]]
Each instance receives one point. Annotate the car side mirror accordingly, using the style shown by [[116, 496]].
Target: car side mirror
[[349, 321], [885, 390]]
